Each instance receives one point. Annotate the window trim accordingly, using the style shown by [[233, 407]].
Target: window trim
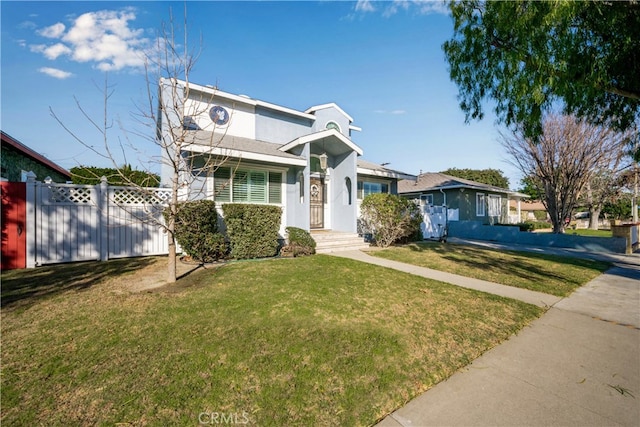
[[250, 170], [497, 202], [481, 204], [425, 198], [361, 187]]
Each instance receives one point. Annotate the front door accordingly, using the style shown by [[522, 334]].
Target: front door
[[317, 202]]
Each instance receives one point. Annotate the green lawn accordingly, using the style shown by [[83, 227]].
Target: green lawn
[[589, 232], [296, 342], [550, 274]]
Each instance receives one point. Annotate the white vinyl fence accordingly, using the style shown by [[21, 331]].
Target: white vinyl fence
[[67, 222]]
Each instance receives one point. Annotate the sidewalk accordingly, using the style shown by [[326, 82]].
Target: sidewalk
[[577, 365]]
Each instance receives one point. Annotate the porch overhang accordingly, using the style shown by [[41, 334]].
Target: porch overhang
[[333, 142]]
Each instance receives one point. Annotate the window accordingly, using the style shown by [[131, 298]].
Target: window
[[222, 184], [301, 186], [347, 184], [190, 123], [275, 187], [480, 204], [365, 188], [247, 186], [315, 164], [426, 199], [495, 205], [333, 125]]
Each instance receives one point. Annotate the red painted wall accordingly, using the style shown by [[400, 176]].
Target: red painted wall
[[14, 225]]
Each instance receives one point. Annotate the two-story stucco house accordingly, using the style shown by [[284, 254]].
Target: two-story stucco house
[[304, 161]]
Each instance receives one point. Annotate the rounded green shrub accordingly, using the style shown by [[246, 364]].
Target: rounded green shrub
[[300, 242], [390, 218]]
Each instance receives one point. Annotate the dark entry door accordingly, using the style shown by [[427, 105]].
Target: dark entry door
[[317, 202], [14, 214]]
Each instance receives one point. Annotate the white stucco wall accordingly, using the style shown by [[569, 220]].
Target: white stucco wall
[[241, 123]]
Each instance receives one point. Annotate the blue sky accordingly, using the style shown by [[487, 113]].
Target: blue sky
[[381, 62]]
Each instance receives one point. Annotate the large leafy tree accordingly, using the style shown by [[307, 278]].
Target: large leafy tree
[[493, 177], [531, 56]]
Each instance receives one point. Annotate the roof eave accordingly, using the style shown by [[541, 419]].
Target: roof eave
[[386, 173], [246, 155]]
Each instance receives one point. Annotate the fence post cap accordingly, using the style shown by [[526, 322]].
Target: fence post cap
[[31, 176]]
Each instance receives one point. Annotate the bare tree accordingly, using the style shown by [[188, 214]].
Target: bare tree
[[170, 114], [603, 186], [563, 160]]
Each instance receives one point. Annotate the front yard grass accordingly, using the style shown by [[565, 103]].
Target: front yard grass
[[550, 274], [590, 233], [307, 341]]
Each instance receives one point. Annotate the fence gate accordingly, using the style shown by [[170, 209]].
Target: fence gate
[[14, 225], [434, 219], [67, 223], [133, 221]]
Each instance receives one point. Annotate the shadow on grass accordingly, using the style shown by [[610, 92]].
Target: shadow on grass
[[26, 287], [520, 267]]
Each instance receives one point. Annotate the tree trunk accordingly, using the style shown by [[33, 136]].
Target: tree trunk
[[558, 227], [171, 263], [594, 218]]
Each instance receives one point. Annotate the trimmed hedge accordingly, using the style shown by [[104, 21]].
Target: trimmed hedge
[[91, 175], [252, 229], [196, 230], [300, 242], [529, 225]]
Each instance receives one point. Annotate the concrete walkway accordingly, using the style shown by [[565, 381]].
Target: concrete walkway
[[577, 365]]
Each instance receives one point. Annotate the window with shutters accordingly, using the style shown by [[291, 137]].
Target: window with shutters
[[248, 186]]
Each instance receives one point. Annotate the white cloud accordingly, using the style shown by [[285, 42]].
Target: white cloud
[[53, 32], [365, 6], [54, 72], [421, 7], [27, 25], [51, 52], [434, 6], [103, 38]]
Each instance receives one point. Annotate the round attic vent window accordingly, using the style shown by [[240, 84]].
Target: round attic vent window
[[219, 115], [333, 125]]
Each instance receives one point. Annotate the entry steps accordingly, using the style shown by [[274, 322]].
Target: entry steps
[[328, 241]]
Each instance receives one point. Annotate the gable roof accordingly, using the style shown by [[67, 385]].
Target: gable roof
[[329, 105], [432, 181], [8, 140], [319, 136]]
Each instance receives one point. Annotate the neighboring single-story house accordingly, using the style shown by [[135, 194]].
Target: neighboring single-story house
[[303, 161], [529, 209], [18, 160], [464, 200]]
